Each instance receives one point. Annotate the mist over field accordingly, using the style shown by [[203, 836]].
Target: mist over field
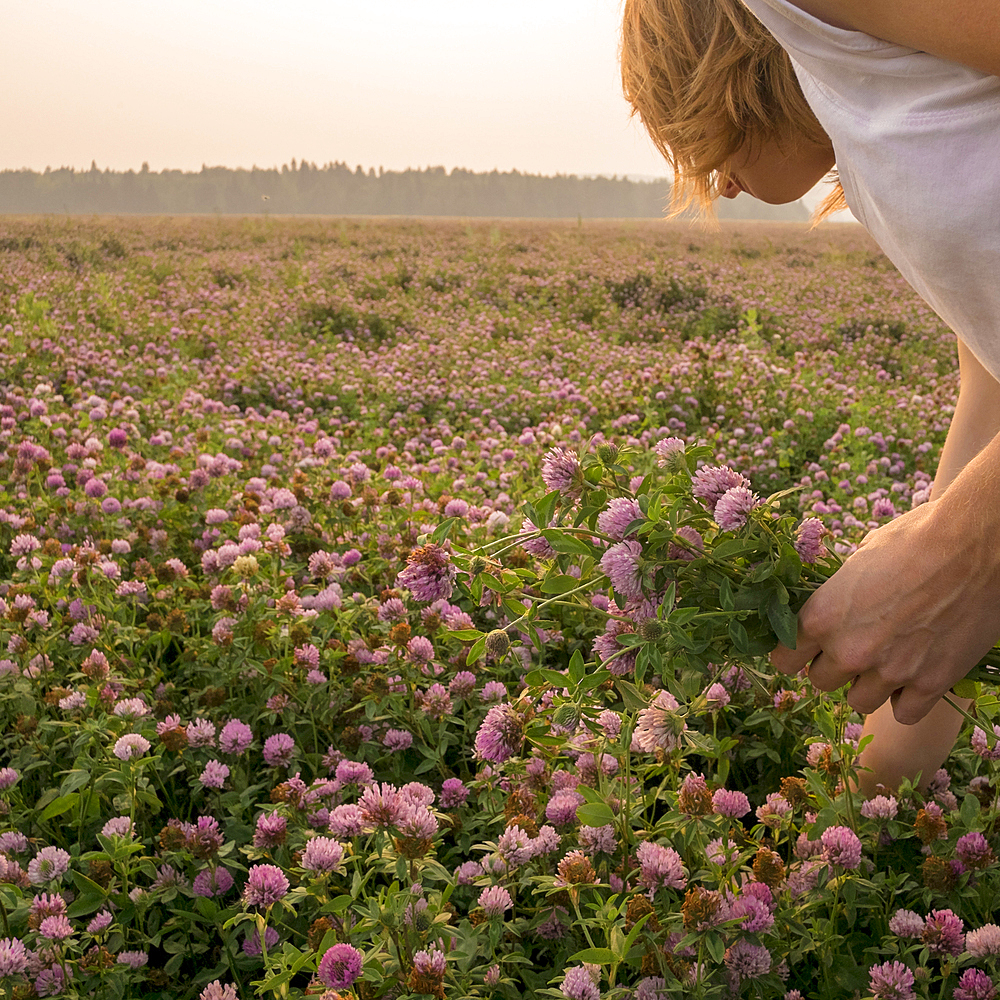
[[336, 189]]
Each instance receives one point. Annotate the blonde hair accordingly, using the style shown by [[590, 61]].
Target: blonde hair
[[707, 80]]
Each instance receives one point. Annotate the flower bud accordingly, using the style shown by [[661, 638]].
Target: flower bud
[[607, 453], [497, 642], [651, 629]]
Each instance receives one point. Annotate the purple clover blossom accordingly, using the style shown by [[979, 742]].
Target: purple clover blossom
[[561, 808], [981, 747], [495, 900], [974, 851], [133, 959], [500, 735], [381, 805], [216, 991], [214, 774], [667, 450], [416, 822], [621, 566], [99, 923], [974, 984], [809, 539], [983, 941], [353, 772], [561, 470], [617, 516], [660, 866], [841, 846], [880, 807], [56, 928], [322, 855], [943, 933], [395, 740], [130, 746], [429, 573], [729, 802], [278, 750], [346, 821], [212, 882], [659, 727], [453, 793], [8, 778], [13, 957], [580, 983], [430, 963], [235, 738], [711, 482], [117, 826], [891, 981], [340, 966], [598, 839], [266, 885], [49, 865], [270, 831], [906, 924], [747, 961], [50, 981], [734, 507], [251, 943]]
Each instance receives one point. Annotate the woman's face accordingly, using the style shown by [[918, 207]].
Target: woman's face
[[776, 173]]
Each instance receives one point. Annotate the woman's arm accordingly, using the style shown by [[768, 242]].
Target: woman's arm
[[915, 608], [964, 31], [897, 751]]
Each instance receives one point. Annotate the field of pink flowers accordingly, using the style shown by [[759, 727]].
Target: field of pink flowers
[[383, 607]]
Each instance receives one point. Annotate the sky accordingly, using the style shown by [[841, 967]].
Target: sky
[[531, 85]]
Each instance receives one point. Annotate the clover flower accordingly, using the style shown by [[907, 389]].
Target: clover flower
[[130, 746], [891, 981], [943, 933], [235, 738], [212, 882], [340, 966], [49, 865], [500, 735], [660, 866], [13, 957], [617, 516], [747, 961], [495, 901], [734, 507], [322, 855], [429, 573], [561, 470], [214, 774], [621, 566], [266, 885], [729, 802], [974, 984], [906, 924], [133, 959], [983, 941], [580, 983], [842, 846], [453, 793], [659, 727], [278, 750], [710, 483], [218, 991]]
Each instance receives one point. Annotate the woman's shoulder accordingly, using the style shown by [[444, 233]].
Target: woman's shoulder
[[963, 31]]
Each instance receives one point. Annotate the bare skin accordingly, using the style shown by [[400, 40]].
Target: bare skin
[[914, 610], [777, 172]]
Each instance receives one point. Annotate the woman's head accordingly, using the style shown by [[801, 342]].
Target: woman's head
[[713, 87]]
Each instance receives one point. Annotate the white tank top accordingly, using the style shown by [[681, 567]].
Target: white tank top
[[917, 143]]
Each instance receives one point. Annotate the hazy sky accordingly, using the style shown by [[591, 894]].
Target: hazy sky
[[482, 84]]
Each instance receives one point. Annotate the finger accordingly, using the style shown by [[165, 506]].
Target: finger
[[909, 705], [828, 674], [791, 661], [868, 692]]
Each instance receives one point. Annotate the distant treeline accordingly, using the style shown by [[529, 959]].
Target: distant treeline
[[336, 189]]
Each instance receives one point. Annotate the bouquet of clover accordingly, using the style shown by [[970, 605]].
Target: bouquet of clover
[[701, 569]]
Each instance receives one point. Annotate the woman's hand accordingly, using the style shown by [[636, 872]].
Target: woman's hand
[[909, 614]]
